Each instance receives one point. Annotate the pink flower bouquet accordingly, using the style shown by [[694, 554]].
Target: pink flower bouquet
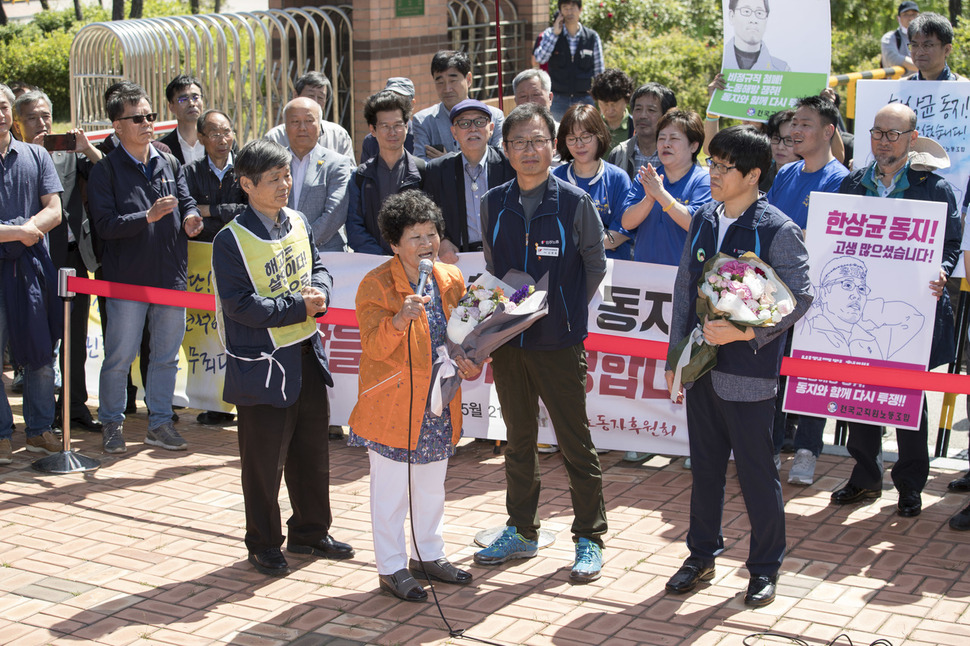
[[485, 319], [746, 292]]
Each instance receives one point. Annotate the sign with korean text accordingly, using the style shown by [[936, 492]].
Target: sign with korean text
[[872, 261], [942, 114], [627, 402], [774, 53]]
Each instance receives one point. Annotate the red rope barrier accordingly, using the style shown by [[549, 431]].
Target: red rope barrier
[[840, 372]]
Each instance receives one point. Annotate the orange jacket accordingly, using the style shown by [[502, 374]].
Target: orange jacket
[[383, 390]]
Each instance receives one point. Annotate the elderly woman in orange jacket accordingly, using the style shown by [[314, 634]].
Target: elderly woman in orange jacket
[[399, 332]]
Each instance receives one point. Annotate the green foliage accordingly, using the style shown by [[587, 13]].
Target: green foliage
[[959, 59], [699, 18], [875, 17], [44, 62], [854, 52], [683, 63]]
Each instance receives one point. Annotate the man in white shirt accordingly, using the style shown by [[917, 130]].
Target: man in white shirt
[[186, 101], [333, 136]]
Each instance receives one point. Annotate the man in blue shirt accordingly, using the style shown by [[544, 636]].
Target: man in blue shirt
[[812, 129], [30, 195], [142, 209]]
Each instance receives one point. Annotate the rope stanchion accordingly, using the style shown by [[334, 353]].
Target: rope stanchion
[[67, 461], [810, 369]]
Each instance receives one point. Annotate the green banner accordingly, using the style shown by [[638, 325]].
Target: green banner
[[756, 95], [408, 8]]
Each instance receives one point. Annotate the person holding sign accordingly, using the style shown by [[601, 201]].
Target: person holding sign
[[732, 406], [891, 175], [270, 286], [747, 50]]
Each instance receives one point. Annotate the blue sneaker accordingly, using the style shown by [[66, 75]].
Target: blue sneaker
[[509, 545], [589, 562]]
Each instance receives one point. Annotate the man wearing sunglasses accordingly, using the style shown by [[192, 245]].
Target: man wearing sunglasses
[[457, 181], [893, 174], [186, 101], [142, 210]]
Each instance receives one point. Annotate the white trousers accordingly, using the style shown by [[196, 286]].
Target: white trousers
[[389, 509]]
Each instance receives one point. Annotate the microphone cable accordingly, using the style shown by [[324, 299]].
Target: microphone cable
[[452, 631]]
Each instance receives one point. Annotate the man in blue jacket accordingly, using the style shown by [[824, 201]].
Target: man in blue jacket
[[563, 237], [732, 406], [142, 210], [271, 285]]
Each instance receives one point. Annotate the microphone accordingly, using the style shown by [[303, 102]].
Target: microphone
[[424, 270]]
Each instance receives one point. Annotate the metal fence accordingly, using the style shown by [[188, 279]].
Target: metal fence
[[248, 62], [471, 27]]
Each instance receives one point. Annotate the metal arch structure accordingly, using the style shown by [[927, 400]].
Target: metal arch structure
[[248, 62], [471, 28]]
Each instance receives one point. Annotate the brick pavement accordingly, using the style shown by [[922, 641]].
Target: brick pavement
[[148, 550]]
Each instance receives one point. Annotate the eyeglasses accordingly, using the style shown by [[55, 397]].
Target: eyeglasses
[[785, 141], [218, 134], [185, 98], [850, 286], [478, 122], [138, 118], [890, 135], [572, 140], [523, 144], [718, 167], [923, 45], [747, 12], [391, 127]]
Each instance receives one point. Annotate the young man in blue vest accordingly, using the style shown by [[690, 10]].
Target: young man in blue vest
[[563, 237], [732, 407], [271, 286], [574, 54]]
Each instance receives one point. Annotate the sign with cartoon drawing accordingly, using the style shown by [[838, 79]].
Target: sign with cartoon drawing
[[872, 260]]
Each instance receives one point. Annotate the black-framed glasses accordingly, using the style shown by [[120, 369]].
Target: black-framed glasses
[[185, 98], [572, 140], [718, 167], [138, 118], [891, 135], [747, 12], [523, 144], [478, 122], [785, 141]]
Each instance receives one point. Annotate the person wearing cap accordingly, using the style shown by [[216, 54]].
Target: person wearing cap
[[333, 136], [894, 173], [404, 87], [457, 181], [895, 43], [452, 74]]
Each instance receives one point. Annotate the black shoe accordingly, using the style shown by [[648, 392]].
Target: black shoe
[[788, 442], [214, 418], [336, 432], [960, 484], [761, 591], [440, 570], [402, 585], [689, 575], [909, 504], [961, 521], [270, 562], [326, 547], [851, 493], [86, 424]]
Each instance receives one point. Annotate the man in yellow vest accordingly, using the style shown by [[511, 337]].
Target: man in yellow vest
[[270, 286]]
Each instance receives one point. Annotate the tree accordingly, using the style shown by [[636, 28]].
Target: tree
[[117, 9], [193, 6], [137, 8], [78, 12], [3, 15], [45, 5]]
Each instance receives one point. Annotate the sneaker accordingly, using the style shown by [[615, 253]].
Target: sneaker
[[166, 437], [112, 439], [636, 456], [547, 448], [803, 468], [687, 463], [589, 562], [44, 443], [509, 545], [17, 386], [778, 461], [6, 451]]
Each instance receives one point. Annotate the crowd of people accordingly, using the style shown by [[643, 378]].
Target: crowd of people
[[586, 167]]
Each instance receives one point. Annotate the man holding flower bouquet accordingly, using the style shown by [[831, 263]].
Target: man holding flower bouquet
[[732, 406]]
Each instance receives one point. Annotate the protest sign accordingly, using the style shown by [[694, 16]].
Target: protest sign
[[774, 53], [872, 261]]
